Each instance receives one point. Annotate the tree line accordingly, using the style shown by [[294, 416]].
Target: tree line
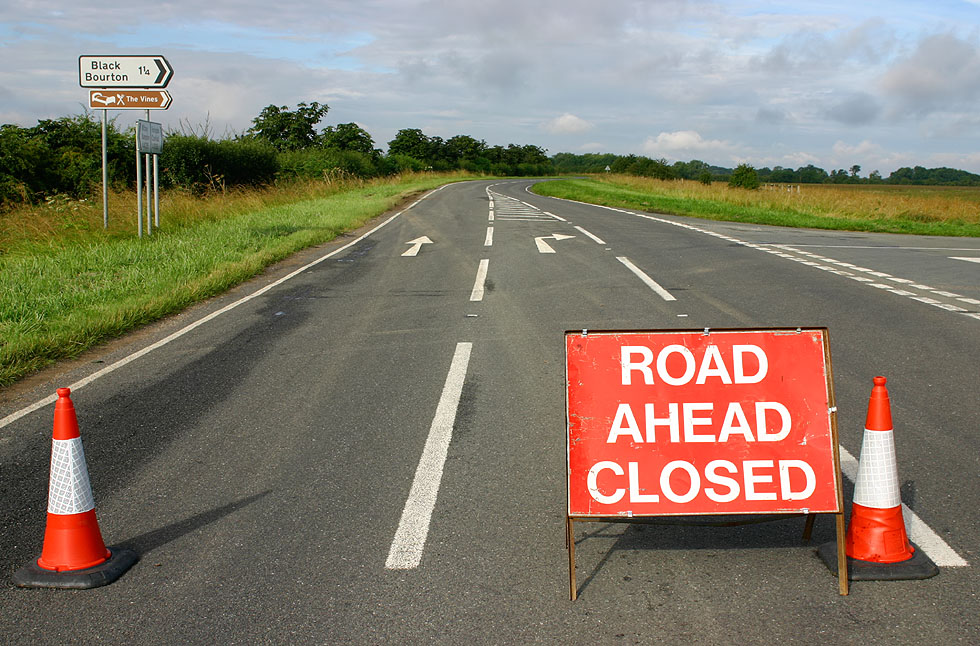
[[809, 174], [63, 157]]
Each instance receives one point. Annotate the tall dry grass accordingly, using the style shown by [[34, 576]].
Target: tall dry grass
[[876, 202]]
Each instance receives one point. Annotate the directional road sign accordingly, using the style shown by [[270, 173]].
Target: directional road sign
[[124, 71], [106, 99]]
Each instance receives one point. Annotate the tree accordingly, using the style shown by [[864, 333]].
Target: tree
[[810, 174], [288, 130], [744, 176], [855, 169], [347, 136], [410, 142], [464, 148]]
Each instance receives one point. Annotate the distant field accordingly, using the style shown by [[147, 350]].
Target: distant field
[[925, 210]]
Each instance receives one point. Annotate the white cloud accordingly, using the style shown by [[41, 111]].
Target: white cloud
[[567, 124], [686, 143], [862, 149]]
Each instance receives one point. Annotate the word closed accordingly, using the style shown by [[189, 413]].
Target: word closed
[[685, 422]]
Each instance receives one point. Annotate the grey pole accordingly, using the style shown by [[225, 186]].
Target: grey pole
[[105, 174]]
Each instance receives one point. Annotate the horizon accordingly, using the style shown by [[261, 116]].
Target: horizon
[[879, 85]]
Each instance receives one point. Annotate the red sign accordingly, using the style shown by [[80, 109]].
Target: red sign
[[700, 422]]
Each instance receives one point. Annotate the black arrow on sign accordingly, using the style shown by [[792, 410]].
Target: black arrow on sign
[[165, 71]]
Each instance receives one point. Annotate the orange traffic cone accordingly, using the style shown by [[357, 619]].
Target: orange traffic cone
[[877, 544], [74, 554]]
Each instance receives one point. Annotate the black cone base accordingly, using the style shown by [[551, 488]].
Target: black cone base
[[34, 576], [920, 566]]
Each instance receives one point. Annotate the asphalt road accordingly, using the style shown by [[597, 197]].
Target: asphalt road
[[373, 450]]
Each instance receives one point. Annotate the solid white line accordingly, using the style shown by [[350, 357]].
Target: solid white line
[[557, 217], [919, 533], [591, 235], [481, 279], [181, 332], [489, 240], [649, 282], [413, 528]]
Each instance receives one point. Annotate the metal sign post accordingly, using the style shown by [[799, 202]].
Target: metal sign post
[[105, 173], [130, 82], [149, 142]]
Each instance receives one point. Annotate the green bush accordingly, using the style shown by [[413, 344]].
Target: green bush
[[744, 176], [199, 163], [61, 157]]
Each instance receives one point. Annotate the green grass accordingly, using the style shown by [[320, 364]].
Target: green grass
[[949, 213], [63, 294]]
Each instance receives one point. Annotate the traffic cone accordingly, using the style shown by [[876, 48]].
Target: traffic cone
[[877, 544], [74, 554]]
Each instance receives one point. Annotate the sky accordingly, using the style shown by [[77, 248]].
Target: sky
[[879, 84]]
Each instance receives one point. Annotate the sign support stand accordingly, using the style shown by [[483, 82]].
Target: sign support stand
[[105, 172], [139, 190], [790, 459]]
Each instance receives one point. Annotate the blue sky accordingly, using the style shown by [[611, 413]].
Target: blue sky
[[878, 84]]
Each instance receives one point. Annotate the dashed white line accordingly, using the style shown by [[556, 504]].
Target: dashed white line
[[408, 544], [488, 241], [481, 279], [649, 282], [594, 237]]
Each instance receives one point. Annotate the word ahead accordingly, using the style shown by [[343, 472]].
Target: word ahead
[[700, 422], [123, 71]]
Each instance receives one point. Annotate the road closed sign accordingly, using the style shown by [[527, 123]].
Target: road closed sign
[[700, 422]]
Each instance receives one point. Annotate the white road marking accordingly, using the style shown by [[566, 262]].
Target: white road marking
[[406, 549], [481, 279], [416, 245], [544, 247], [965, 258], [790, 253], [488, 242], [81, 383], [919, 532], [649, 282], [591, 235]]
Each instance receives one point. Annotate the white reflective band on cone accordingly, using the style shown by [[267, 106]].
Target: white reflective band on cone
[[877, 477], [69, 491]]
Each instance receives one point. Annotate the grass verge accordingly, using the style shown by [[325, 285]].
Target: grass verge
[[947, 213], [67, 288]]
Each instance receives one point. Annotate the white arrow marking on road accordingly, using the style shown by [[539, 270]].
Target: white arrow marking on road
[[416, 245], [544, 247]]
